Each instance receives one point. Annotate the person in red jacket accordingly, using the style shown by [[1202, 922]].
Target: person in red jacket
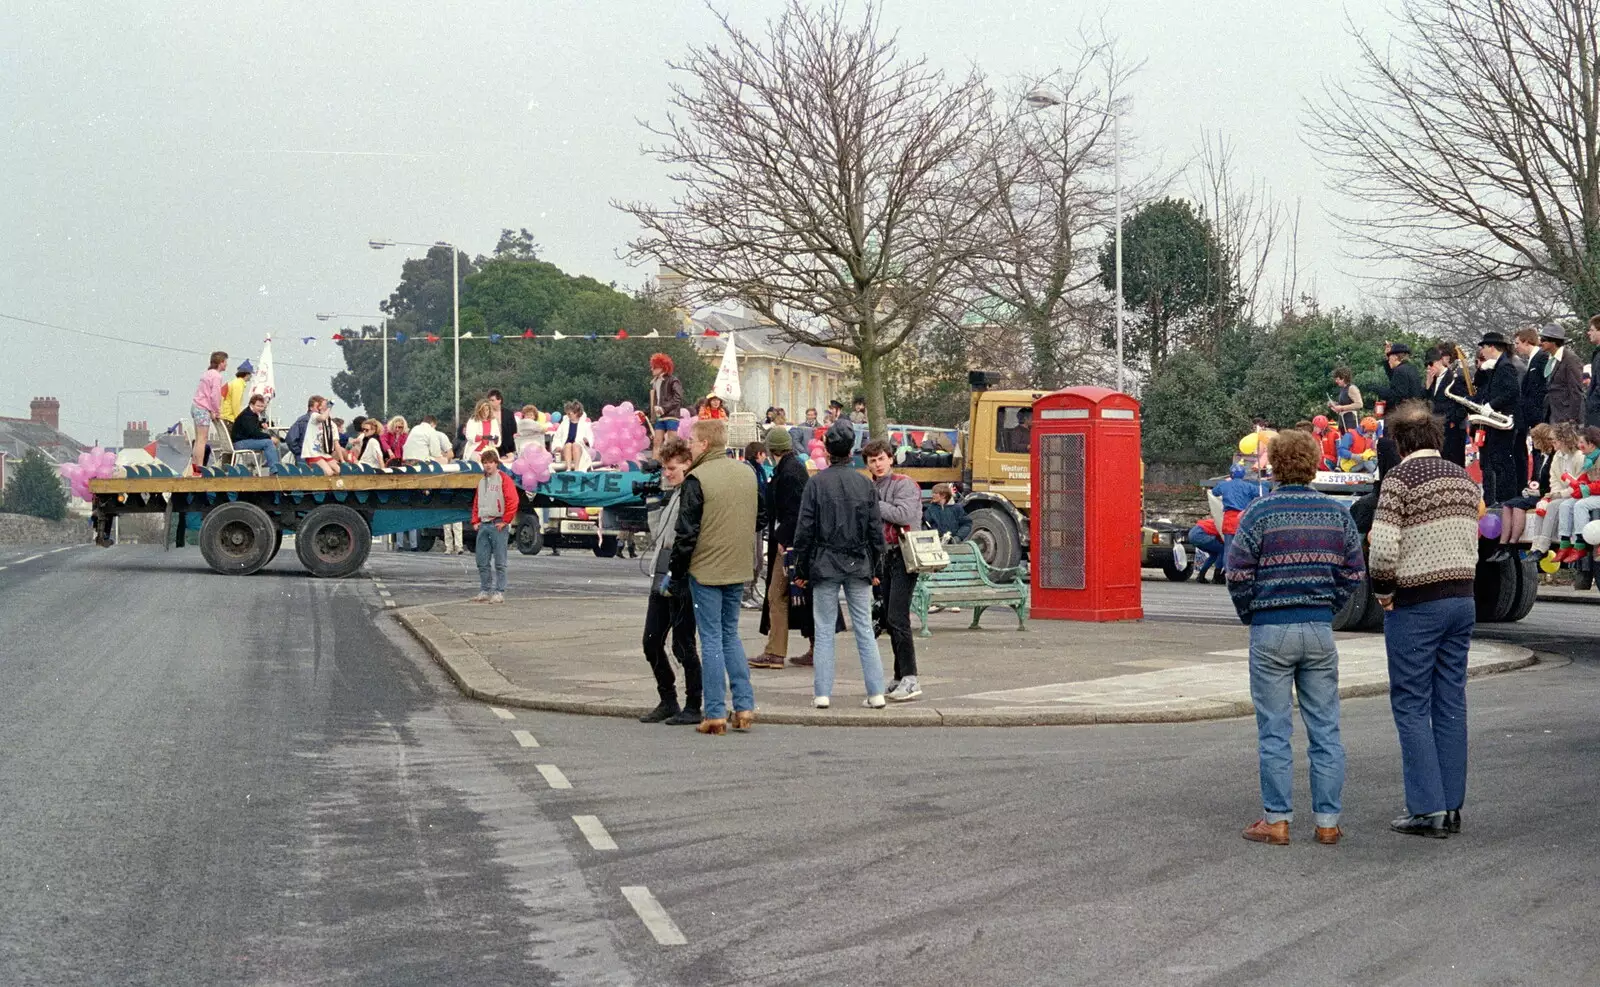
[[494, 511]]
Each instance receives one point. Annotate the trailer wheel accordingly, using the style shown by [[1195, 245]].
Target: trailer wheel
[[1175, 571], [995, 538], [606, 547], [425, 542], [277, 543], [1372, 619], [530, 538], [333, 541], [237, 538], [1495, 590], [1354, 612], [1527, 589]]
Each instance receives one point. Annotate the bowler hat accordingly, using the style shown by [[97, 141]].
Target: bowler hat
[[1399, 349], [1553, 332], [1494, 337]]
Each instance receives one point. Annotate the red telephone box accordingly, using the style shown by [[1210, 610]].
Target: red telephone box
[[1085, 523]]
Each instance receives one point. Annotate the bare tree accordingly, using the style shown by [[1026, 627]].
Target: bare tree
[[1477, 144], [1463, 315], [1248, 224], [1051, 175], [824, 180]]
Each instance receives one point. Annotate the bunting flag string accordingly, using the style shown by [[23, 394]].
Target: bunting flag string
[[495, 338]]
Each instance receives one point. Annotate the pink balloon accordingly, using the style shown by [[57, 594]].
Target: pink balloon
[[532, 465]]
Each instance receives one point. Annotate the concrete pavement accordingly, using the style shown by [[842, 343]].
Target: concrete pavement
[[582, 655]]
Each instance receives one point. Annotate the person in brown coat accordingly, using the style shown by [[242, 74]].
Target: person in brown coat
[[1564, 392]]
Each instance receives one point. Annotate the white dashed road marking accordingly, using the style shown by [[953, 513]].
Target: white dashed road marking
[[29, 559], [553, 775], [595, 832], [524, 738], [65, 548], [504, 714], [655, 917]]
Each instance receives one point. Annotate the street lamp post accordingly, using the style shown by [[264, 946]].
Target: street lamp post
[[455, 301], [383, 320], [158, 392], [1041, 99]]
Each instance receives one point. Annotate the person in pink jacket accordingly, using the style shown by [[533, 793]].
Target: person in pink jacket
[[207, 407]]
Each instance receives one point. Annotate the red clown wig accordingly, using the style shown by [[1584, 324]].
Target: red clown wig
[[661, 362]]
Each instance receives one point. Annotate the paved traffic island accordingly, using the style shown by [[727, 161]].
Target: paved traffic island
[[582, 655]]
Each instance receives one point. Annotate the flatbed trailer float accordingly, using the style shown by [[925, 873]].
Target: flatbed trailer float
[[243, 517]]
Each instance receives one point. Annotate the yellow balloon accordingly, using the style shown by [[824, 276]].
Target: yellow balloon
[[1249, 444], [1549, 563]]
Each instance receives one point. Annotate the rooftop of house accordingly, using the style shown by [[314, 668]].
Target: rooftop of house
[[756, 338], [18, 435]]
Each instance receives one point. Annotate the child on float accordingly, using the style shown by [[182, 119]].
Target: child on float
[[1514, 512], [1583, 495], [1565, 465]]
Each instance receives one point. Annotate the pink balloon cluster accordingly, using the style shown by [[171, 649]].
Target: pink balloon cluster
[[618, 436], [818, 453], [532, 465], [685, 424], [95, 464]]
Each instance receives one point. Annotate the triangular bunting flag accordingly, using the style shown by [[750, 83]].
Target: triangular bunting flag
[[622, 334], [308, 340], [683, 334], [338, 337], [557, 335], [591, 337], [495, 337], [527, 334], [652, 334], [710, 333], [399, 337], [432, 338]]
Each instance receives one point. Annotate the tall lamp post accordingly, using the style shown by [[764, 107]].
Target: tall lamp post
[[158, 392], [383, 320], [1041, 99], [455, 300]]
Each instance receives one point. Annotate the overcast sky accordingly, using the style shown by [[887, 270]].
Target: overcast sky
[[199, 175]]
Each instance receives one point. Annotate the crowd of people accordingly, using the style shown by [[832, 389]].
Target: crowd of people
[[1525, 418]]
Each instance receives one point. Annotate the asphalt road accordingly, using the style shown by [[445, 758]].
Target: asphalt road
[[258, 781]]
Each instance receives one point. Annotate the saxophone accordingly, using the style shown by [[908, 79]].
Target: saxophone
[[1483, 414]]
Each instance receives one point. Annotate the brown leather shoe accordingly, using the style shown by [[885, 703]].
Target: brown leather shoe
[[716, 727], [767, 659], [805, 660], [1329, 835], [1262, 831], [742, 719]]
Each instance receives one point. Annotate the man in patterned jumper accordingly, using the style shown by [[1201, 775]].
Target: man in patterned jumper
[[1292, 564], [1424, 558]]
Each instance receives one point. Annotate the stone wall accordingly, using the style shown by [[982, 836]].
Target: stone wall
[[20, 529]]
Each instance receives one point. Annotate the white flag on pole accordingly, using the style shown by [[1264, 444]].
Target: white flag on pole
[[727, 386], [263, 382]]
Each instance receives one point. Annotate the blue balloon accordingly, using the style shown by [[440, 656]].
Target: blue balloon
[[555, 418]]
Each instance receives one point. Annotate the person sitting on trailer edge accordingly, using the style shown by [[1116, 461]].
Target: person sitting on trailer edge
[[319, 446], [247, 433]]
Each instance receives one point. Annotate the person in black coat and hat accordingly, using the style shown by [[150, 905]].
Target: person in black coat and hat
[[1499, 388], [1405, 383], [779, 615]]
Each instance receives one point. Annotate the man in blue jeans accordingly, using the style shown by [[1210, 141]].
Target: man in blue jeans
[[1424, 561], [494, 511], [1292, 564], [713, 556]]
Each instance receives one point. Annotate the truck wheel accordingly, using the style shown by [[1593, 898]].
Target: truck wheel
[[1495, 590], [277, 543], [1372, 620], [425, 542], [237, 538], [1527, 589], [333, 541], [995, 538], [606, 548], [530, 538], [1174, 571], [1349, 618]]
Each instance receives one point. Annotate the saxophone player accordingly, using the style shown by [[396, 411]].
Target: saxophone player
[[1498, 387]]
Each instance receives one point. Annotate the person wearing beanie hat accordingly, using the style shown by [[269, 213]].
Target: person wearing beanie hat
[[779, 614], [233, 394]]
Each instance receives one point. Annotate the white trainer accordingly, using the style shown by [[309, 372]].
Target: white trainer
[[904, 690], [874, 702], [820, 702], [501, 598], [480, 598]]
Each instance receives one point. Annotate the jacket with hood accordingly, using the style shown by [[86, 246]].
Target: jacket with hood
[[839, 534]]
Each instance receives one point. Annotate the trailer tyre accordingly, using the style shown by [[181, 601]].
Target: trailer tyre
[[530, 538], [1495, 590], [425, 542], [333, 541], [1527, 589], [1354, 611], [1175, 572], [996, 538], [277, 543], [237, 538], [606, 548]]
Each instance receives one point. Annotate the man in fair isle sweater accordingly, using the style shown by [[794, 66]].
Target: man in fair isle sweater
[[1424, 555], [1292, 564]]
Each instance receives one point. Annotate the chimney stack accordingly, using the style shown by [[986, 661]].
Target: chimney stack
[[136, 435], [46, 411]]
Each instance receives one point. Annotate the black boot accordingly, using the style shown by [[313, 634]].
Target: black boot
[[1452, 820], [687, 716], [1433, 825], [663, 711], [1219, 577]]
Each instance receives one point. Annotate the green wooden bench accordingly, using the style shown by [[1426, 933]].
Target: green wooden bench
[[969, 582]]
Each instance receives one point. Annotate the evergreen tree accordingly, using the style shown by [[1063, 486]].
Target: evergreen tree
[[34, 487]]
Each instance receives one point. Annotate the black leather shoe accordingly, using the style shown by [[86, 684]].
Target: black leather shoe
[[663, 711], [1219, 577], [684, 718], [1433, 826], [1452, 820]]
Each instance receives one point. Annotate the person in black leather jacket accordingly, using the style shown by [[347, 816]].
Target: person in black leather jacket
[[1405, 383]]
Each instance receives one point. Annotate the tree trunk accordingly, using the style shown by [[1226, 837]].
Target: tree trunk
[[872, 389], [1046, 374]]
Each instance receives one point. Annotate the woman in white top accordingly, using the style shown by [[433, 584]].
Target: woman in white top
[[369, 445], [320, 448], [575, 437], [482, 432]]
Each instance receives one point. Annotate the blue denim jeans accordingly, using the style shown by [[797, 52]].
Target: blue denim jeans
[[491, 550], [1210, 544], [722, 661], [1427, 645], [267, 448], [1302, 656], [825, 604]]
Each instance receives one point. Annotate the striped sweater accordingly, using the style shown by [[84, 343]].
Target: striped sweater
[[1424, 541], [1295, 559]]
